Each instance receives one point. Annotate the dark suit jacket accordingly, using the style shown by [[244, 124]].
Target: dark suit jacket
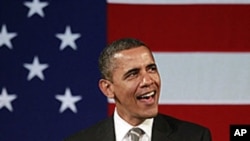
[[165, 128]]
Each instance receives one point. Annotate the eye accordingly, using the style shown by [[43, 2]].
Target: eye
[[152, 68], [131, 74]]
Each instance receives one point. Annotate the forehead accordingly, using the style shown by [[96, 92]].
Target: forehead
[[135, 56]]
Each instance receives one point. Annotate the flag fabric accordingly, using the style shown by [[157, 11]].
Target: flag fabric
[[48, 68], [202, 50], [49, 51]]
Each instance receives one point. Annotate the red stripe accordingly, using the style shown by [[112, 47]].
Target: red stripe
[[216, 117], [220, 28]]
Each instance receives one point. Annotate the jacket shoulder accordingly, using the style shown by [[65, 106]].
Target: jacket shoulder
[[182, 130], [98, 132]]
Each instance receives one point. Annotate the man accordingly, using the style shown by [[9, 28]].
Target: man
[[130, 77]]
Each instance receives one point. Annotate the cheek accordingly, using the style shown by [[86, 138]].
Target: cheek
[[157, 79], [126, 90]]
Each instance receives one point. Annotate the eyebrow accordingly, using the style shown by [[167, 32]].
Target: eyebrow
[[138, 69]]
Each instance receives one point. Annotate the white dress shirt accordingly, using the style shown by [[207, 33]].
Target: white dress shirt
[[122, 128]]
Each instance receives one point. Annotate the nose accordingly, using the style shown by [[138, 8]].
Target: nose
[[146, 80]]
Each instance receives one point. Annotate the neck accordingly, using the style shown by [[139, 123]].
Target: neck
[[134, 121]]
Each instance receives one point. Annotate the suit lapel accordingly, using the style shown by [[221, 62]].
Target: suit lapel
[[107, 132], [161, 129]]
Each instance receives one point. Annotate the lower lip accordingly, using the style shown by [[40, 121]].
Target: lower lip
[[149, 101]]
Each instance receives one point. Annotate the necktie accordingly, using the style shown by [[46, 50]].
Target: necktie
[[135, 134]]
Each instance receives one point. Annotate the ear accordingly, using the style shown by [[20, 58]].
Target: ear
[[106, 87]]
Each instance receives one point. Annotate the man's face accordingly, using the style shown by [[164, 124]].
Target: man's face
[[136, 84]]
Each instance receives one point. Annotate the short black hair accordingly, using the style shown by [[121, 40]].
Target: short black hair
[[106, 57]]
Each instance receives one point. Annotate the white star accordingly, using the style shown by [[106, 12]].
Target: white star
[[36, 7], [5, 37], [35, 69], [68, 39], [5, 100], [68, 101]]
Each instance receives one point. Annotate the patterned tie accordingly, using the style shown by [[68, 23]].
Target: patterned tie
[[135, 133]]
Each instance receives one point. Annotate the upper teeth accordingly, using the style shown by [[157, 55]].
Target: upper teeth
[[148, 95]]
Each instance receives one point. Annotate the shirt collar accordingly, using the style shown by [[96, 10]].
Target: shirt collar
[[122, 127]]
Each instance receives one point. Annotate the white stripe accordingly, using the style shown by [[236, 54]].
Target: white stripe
[[179, 1], [204, 78]]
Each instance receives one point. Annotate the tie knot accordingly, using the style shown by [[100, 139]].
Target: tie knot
[[136, 133]]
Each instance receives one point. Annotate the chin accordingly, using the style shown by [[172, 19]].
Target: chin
[[151, 113]]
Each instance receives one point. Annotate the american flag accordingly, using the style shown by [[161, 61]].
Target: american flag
[[48, 67], [49, 51]]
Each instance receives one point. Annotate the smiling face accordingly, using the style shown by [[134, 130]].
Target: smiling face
[[135, 85]]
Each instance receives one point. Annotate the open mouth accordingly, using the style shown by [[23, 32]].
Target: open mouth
[[146, 96]]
